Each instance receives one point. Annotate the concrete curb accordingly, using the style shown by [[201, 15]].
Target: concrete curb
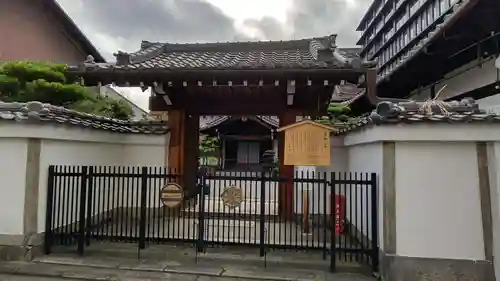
[[44, 270]]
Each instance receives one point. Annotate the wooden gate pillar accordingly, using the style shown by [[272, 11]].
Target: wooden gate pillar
[[176, 123], [286, 190], [183, 148], [191, 153]]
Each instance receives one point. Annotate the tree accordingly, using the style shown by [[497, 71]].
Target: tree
[[209, 145], [23, 81], [336, 114]]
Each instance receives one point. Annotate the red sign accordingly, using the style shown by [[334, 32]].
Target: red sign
[[339, 212]]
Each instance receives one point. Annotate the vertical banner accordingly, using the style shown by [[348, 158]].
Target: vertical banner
[[339, 212]]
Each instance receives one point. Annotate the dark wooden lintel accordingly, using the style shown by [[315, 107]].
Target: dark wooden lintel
[[237, 77]]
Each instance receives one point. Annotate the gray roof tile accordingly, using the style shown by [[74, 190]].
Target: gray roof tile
[[320, 52], [37, 112], [272, 121], [346, 93], [411, 112]]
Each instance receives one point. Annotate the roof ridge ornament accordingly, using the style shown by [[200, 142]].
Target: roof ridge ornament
[[90, 59], [122, 58], [332, 40]]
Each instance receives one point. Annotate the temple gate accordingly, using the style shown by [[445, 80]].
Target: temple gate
[[284, 80]]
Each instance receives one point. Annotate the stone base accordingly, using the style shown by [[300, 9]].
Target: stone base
[[396, 268], [20, 247], [19, 253]]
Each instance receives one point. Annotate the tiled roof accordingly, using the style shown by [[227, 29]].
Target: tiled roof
[[464, 111], [315, 53], [346, 93], [39, 113], [272, 121]]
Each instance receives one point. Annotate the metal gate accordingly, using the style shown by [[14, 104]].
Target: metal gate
[[332, 213]]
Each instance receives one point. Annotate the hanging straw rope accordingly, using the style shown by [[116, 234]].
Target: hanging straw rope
[[426, 106]]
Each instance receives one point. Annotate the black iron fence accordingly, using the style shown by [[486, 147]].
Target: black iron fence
[[333, 213]]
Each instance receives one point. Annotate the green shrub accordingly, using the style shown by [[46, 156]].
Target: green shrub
[[23, 81]]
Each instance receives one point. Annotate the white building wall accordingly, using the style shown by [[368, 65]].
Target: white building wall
[[364, 159], [437, 185], [64, 145], [13, 176], [425, 227]]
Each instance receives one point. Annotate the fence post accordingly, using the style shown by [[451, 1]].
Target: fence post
[[201, 214], [262, 213], [325, 212], [142, 219], [82, 213], [374, 226], [90, 204], [49, 211], [333, 238]]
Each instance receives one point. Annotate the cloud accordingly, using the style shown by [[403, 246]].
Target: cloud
[[129, 22], [315, 18], [122, 24]]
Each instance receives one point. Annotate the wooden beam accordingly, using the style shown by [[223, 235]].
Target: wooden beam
[[286, 189]]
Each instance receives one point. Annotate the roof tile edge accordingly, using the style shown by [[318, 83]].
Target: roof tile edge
[[37, 112]]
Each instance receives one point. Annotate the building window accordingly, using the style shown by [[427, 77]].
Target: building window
[[423, 18], [429, 12], [418, 26], [444, 5], [414, 7], [437, 7]]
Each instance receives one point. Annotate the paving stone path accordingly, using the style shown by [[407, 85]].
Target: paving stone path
[[121, 270]]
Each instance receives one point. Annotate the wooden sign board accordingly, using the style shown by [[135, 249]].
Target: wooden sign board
[[171, 195], [307, 143]]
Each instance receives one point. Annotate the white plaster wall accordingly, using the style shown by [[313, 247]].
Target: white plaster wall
[[136, 152], [438, 212], [461, 80], [364, 159], [12, 182], [437, 193], [436, 185], [66, 145]]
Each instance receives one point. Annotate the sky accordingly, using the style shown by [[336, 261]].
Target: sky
[[113, 25]]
